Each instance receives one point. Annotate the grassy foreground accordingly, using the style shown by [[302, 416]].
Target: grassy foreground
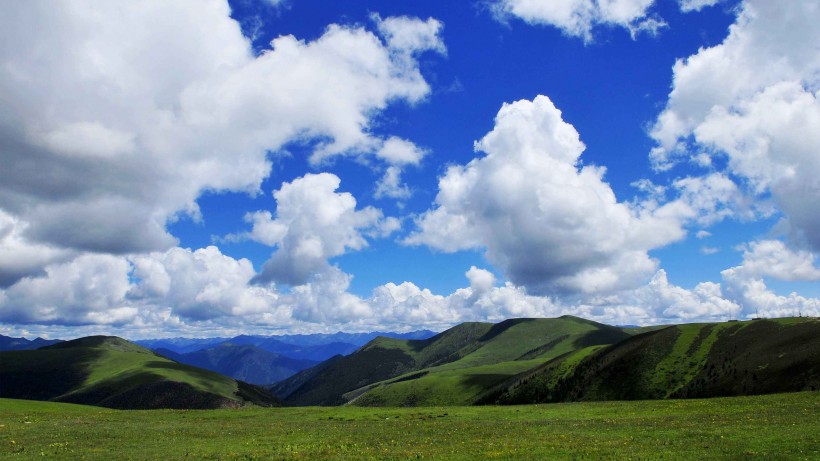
[[783, 426]]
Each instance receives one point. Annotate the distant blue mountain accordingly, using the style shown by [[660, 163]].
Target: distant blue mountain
[[8, 343], [242, 362], [316, 347], [180, 345]]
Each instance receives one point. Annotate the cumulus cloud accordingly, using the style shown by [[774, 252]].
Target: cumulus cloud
[[410, 35], [90, 289], [206, 292], [397, 153], [313, 223], [578, 18], [753, 100], [390, 185], [18, 256], [771, 259], [551, 224], [117, 119]]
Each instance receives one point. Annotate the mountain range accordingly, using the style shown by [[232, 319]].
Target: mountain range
[[318, 346], [8, 343], [567, 359], [517, 361]]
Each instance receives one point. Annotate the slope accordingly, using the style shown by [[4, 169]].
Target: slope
[[112, 372], [508, 349], [681, 361], [380, 359]]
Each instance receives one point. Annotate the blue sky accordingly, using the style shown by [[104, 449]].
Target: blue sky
[[264, 166]]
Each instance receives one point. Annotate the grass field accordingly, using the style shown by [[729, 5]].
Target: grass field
[[782, 426]]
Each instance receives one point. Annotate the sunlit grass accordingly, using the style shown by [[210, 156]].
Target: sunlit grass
[[784, 426]]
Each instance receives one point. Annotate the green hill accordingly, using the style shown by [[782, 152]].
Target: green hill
[[454, 367], [380, 359], [681, 361], [112, 372], [508, 349]]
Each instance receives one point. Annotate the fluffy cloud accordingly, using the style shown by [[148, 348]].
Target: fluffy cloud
[[772, 259], [549, 223], [397, 153], [579, 17], [696, 5], [117, 118], [753, 100], [410, 35], [313, 223], [206, 292], [390, 185], [90, 289]]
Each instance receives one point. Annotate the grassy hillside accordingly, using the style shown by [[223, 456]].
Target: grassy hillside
[[692, 360], [112, 372], [507, 349], [454, 367], [380, 359], [783, 426]]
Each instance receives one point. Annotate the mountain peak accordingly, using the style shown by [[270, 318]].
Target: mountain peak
[[101, 342]]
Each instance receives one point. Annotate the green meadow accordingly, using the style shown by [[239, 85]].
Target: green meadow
[[780, 426]]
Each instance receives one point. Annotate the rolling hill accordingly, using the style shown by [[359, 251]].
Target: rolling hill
[[245, 363], [112, 372], [681, 361], [454, 367]]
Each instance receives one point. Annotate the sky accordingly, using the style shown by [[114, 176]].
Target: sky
[[209, 167]]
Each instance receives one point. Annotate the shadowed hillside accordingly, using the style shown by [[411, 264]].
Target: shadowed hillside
[[682, 361], [112, 372]]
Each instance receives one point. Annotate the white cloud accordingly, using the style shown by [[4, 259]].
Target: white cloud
[[696, 5], [397, 151], [411, 35], [116, 117], [390, 185], [84, 290], [578, 18], [18, 256], [771, 258], [550, 224], [481, 280], [204, 292], [313, 223], [753, 100]]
